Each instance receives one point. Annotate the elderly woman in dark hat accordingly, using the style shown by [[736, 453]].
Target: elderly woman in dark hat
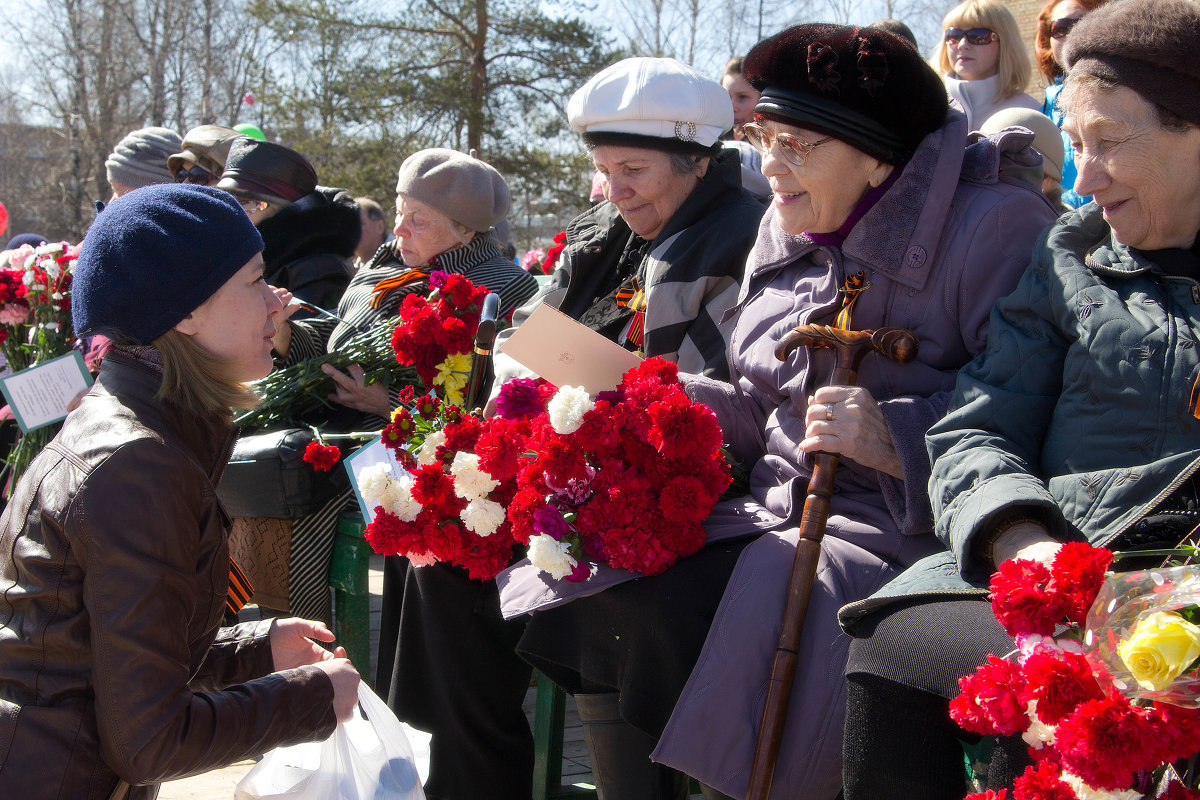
[[309, 231], [114, 672], [880, 217], [1079, 422]]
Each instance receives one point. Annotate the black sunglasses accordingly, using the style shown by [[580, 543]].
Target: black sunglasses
[[1059, 28], [976, 36], [193, 175]]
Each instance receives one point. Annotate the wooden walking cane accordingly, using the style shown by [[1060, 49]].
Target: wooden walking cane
[[851, 347]]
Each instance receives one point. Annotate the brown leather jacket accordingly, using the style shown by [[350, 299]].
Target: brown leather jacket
[[113, 572]]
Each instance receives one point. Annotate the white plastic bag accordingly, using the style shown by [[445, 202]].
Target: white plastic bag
[[367, 758]]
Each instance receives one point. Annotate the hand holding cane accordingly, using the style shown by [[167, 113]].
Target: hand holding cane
[[850, 347]]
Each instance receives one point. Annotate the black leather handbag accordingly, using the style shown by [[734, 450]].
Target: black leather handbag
[[267, 477]]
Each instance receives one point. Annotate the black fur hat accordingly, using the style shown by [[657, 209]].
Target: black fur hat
[[866, 87], [1149, 46]]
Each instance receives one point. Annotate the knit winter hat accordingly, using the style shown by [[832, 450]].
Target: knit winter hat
[[651, 102], [1047, 138], [206, 147], [1149, 46], [267, 171], [867, 87], [462, 187], [140, 159], [154, 255]]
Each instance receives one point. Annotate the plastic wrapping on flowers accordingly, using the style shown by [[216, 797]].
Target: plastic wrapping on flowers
[[1145, 630]]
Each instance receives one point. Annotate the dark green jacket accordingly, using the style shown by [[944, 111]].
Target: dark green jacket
[[1077, 412]]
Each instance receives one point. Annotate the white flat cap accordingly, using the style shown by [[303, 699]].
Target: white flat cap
[[659, 98]]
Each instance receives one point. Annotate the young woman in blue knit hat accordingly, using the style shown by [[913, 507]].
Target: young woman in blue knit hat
[[114, 672]]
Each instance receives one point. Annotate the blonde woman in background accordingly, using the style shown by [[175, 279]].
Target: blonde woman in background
[[982, 60]]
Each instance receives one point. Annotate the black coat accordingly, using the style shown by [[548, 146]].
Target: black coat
[[308, 246]]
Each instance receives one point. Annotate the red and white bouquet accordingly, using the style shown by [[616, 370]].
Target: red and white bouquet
[[1092, 735], [449, 503], [35, 303], [625, 479]]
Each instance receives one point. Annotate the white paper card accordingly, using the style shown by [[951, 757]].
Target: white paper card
[[567, 353], [40, 394]]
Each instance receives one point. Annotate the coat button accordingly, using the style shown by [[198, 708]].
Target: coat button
[[915, 257]]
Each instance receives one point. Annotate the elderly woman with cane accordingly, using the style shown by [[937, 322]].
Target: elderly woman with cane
[[114, 673], [881, 217], [1079, 422]]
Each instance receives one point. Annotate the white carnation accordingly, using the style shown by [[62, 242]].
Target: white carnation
[[550, 555], [1038, 734], [567, 408], [1085, 792], [483, 516], [428, 452], [373, 482], [470, 482], [397, 499]]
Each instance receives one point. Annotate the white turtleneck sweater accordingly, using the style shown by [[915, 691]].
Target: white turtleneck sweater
[[980, 99]]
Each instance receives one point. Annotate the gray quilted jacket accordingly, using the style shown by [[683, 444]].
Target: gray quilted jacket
[[1078, 411]]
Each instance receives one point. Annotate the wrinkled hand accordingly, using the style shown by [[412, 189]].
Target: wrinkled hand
[[292, 642], [857, 430], [1025, 540], [352, 391], [283, 336]]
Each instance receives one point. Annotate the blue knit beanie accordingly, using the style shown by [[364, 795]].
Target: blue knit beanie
[[154, 255]]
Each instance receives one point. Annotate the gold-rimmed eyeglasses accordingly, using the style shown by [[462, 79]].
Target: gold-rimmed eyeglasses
[[793, 148]]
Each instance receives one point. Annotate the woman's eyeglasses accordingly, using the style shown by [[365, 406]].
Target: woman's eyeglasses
[[976, 36], [193, 175], [793, 148], [1059, 28], [253, 206]]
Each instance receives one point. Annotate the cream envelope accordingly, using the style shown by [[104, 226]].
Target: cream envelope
[[566, 353]]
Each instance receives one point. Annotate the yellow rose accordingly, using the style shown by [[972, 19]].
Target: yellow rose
[[1161, 647]]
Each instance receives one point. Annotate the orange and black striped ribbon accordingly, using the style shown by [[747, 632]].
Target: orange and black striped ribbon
[[855, 285], [1194, 402], [634, 298], [389, 285], [240, 589]]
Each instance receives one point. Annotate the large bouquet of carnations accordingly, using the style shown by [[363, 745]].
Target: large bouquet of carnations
[[625, 479], [1096, 662], [449, 502], [35, 324]]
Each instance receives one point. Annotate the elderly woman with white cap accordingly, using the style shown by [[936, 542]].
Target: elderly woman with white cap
[[677, 224], [880, 217]]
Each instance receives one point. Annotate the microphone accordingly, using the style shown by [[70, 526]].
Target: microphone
[[485, 337]]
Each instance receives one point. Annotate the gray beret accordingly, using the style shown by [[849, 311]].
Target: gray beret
[[140, 159], [462, 187], [1148, 46]]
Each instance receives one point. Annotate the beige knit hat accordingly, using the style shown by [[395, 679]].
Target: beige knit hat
[[462, 187]]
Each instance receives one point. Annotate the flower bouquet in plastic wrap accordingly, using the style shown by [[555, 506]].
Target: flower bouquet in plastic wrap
[[625, 479], [1100, 685], [448, 503]]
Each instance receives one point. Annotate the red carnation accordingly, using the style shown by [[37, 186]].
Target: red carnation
[[462, 434], [434, 490], [685, 499], [500, 447], [655, 368], [1176, 731], [1177, 791], [397, 433], [321, 456], [1023, 600], [1042, 782], [1058, 682], [990, 794], [683, 429], [990, 703], [1105, 742], [1078, 575]]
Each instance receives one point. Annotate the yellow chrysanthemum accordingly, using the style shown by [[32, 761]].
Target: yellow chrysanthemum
[[453, 374]]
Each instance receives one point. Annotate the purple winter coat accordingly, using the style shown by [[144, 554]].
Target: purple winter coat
[[952, 235]]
